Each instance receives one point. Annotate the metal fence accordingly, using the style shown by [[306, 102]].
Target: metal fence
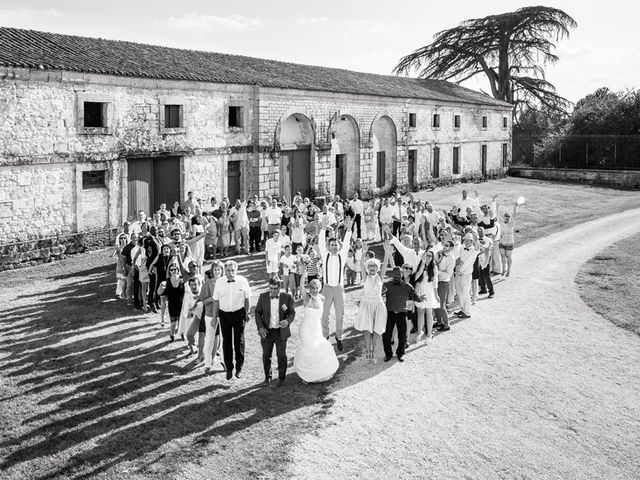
[[600, 152]]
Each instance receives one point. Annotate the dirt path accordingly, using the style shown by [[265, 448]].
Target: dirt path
[[534, 386]]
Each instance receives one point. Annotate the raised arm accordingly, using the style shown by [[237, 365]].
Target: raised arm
[[385, 261], [303, 284]]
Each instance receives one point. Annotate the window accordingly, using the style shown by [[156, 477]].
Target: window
[[173, 116], [236, 116], [456, 121], [95, 115], [93, 179], [484, 122], [436, 120], [505, 155], [412, 120], [380, 169], [505, 122], [456, 161]]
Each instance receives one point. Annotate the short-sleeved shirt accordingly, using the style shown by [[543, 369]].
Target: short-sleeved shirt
[[231, 294], [398, 294]]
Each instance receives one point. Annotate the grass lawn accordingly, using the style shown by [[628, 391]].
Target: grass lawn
[[609, 282], [91, 389]]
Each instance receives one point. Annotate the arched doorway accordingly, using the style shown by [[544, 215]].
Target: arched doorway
[[345, 149], [385, 152], [296, 138]]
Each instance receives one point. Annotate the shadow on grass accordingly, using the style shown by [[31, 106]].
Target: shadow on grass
[[105, 388]]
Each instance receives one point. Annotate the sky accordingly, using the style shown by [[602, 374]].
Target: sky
[[361, 35]]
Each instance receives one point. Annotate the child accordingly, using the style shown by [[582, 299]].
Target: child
[[284, 238], [288, 263], [315, 262], [302, 261], [121, 271], [350, 268]]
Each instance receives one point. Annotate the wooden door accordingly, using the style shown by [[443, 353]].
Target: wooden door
[[166, 182], [233, 181], [139, 186], [301, 172], [341, 165], [285, 174], [412, 168], [484, 160], [435, 171]]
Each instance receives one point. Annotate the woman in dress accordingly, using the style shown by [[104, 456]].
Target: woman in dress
[[372, 312], [296, 229], [173, 288], [161, 266], [426, 284], [196, 242], [225, 232], [315, 360]]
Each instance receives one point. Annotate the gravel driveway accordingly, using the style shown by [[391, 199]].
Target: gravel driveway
[[534, 386]]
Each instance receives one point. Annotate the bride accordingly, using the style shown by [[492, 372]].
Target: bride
[[315, 360]]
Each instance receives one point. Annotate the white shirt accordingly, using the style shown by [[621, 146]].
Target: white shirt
[[333, 265], [386, 213], [239, 217], [274, 319], [357, 206], [468, 257], [472, 203], [433, 218], [232, 294], [330, 216], [274, 215], [408, 253], [445, 268], [288, 264], [485, 256], [272, 248]]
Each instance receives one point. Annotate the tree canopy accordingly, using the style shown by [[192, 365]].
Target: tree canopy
[[510, 49]]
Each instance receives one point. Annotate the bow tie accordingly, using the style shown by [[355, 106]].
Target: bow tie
[[229, 281]]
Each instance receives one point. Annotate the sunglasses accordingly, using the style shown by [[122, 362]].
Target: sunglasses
[[407, 268], [173, 270]]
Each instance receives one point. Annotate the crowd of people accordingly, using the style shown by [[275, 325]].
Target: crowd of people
[[437, 260]]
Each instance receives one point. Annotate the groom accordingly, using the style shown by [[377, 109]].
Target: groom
[[274, 313]]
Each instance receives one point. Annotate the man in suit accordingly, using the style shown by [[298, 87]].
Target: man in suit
[[274, 314]]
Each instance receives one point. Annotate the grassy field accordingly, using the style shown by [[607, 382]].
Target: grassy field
[[91, 389], [610, 283]]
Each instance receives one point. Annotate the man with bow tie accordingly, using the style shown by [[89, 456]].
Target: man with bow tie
[[274, 314], [231, 297], [467, 255]]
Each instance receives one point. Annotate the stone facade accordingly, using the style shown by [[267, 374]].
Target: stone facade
[[45, 149]]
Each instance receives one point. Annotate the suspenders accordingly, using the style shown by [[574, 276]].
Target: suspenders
[[326, 269]]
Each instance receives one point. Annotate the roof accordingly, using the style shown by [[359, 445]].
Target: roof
[[52, 51]]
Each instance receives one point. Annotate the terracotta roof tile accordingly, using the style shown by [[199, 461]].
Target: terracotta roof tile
[[53, 51]]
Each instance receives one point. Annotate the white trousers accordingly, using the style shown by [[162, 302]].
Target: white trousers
[[209, 338], [463, 290]]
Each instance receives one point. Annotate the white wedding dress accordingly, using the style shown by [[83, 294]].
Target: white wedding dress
[[315, 360]]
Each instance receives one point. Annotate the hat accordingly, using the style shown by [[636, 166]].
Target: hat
[[468, 236]]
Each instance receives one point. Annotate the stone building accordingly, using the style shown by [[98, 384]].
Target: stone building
[[92, 130]]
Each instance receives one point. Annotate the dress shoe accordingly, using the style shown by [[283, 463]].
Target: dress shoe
[[400, 358], [482, 292], [458, 313], [491, 295], [387, 358], [339, 345], [444, 329], [464, 315], [267, 381], [238, 373], [229, 374], [281, 381], [438, 325]]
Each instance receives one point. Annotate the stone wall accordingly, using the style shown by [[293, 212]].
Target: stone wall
[[612, 178], [45, 148]]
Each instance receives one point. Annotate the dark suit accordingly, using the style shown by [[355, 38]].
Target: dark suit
[[277, 336]]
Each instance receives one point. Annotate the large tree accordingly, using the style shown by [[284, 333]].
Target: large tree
[[511, 49]]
